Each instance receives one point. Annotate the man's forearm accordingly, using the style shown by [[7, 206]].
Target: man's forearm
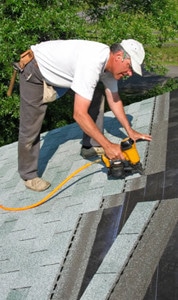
[[119, 113], [84, 120], [117, 108], [116, 105], [89, 127]]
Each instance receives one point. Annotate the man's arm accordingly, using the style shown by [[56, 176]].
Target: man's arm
[[81, 116], [117, 108]]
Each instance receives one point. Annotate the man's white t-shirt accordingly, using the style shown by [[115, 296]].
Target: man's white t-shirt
[[75, 64]]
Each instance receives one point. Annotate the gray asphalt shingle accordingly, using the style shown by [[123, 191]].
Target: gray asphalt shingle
[[35, 243]]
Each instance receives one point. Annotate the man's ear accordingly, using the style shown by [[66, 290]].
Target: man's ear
[[118, 55]]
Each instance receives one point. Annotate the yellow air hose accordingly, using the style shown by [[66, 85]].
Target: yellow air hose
[[47, 197]]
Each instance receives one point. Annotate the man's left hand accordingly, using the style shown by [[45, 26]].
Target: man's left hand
[[135, 135]]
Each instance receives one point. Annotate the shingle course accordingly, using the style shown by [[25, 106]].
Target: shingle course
[[34, 244]]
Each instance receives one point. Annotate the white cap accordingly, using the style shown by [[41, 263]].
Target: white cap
[[136, 52]]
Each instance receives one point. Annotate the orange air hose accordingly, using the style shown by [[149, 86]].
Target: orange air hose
[[47, 197]]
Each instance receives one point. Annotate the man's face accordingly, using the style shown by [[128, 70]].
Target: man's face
[[121, 67]]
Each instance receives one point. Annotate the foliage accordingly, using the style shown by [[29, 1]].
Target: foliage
[[24, 23], [28, 22]]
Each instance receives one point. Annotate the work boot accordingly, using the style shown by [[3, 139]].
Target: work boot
[[37, 184], [92, 151]]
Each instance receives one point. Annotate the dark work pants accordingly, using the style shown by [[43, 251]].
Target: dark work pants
[[96, 111], [32, 113]]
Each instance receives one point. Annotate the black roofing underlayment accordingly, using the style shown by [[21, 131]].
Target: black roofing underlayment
[[159, 186]]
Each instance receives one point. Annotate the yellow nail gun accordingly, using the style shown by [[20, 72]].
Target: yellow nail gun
[[119, 169]]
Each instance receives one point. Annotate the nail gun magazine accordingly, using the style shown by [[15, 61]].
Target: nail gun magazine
[[119, 169]]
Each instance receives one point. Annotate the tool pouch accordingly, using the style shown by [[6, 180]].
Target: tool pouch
[[49, 93]]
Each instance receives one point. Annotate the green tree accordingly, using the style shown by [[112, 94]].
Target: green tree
[[24, 23], [27, 22], [164, 15]]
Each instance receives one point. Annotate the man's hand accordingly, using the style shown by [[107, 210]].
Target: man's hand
[[135, 135], [114, 152]]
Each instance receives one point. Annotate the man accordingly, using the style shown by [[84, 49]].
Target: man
[[79, 65]]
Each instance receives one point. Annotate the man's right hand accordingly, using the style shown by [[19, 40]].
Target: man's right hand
[[113, 151]]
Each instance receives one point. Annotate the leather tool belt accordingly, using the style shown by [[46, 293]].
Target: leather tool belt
[[49, 94], [25, 58], [19, 66]]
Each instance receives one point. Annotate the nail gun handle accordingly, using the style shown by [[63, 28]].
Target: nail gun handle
[[130, 152], [12, 82]]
